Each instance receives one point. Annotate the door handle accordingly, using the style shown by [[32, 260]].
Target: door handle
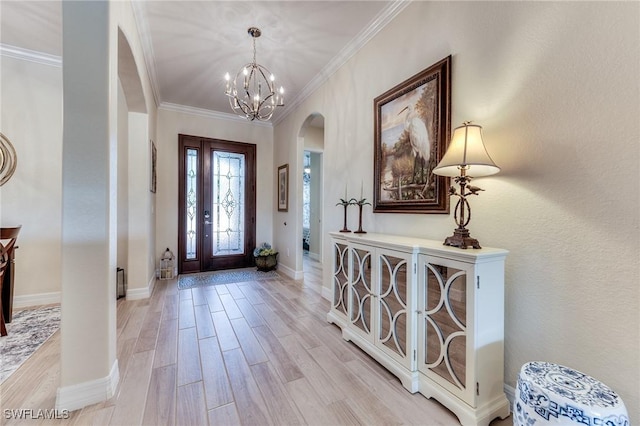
[[206, 222]]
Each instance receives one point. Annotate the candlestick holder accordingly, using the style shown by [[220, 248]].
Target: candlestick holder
[[361, 203], [346, 203]]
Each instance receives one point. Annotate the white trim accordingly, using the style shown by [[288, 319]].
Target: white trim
[[296, 275], [147, 48], [363, 37], [511, 394], [36, 299], [211, 114], [30, 55], [141, 293], [83, 394]]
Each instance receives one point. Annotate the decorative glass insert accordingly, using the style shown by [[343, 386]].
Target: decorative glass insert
[[445, 322], [340, 278], [191, 202], [228, 203], [392, 303], [361, 289]]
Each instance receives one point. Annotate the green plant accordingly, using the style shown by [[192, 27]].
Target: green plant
[[263, 250]]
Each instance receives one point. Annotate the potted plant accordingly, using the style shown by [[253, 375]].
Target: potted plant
[[266, 257]]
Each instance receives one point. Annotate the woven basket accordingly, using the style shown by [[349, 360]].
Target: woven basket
[[267, 263]]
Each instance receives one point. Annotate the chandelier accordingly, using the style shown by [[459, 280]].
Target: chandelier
[[252, 92]]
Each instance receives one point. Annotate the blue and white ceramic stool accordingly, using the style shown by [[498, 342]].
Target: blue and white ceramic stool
[[550, 393]]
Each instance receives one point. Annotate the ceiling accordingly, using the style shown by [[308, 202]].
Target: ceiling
[[189, 45]]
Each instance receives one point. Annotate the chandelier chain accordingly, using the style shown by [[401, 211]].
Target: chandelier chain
[[254, 51]]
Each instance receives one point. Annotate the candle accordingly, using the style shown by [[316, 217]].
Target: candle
[[345, 191], [361, 188]]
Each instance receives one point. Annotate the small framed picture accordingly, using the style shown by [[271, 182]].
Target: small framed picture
[[283, 188], [154, 162]]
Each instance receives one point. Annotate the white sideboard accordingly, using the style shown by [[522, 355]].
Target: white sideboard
[[432, 315]]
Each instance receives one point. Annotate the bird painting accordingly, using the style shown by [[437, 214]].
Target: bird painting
[[420, 143]]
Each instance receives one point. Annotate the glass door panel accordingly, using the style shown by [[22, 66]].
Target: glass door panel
[[191, 204], [228, 203], [340, 278], [392, 304], [361, 297], [445, 323]]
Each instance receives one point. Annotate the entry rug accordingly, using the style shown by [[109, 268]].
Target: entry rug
[[27, 331], [224, 277]]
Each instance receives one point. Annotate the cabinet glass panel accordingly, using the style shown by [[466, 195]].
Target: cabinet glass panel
[[392, 304], [361, 289], [445, 323], [340, 278]]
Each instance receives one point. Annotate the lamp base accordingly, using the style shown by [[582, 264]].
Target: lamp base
[[462, 239]]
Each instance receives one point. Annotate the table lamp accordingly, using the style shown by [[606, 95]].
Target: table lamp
[[466, 158]]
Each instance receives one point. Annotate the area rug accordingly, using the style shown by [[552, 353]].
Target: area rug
[[224, 277], [27, 331]]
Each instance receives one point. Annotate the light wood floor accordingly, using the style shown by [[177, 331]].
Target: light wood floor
[[253, 353]]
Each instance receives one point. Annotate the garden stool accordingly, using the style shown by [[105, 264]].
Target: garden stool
[[551, 393]]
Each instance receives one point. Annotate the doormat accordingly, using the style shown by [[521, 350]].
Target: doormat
[[228, 276], [27, 331]]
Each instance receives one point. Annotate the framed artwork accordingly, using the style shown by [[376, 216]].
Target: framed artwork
[[412, 127], [283, 188], [154, 162]]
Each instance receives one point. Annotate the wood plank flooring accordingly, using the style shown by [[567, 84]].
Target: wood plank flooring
[[252, 353]]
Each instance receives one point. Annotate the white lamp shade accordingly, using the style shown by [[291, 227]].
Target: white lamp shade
[[466, 150]]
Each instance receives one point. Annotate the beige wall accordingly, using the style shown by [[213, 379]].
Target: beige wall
[[172, 123], [555, 86], [31, 104]]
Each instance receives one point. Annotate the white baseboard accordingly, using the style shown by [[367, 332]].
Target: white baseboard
[[296, 275], [80, 395], [141, 293], [314, 256], [511, 394], [36, 299]]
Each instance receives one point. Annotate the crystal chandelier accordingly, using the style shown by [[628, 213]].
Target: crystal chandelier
[[252, 93]]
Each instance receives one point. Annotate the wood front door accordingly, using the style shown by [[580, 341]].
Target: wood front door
[[217, 204]]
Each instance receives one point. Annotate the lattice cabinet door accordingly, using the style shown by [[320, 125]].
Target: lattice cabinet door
[[340, 284], [362, 290], [445, 307], [394, 305]]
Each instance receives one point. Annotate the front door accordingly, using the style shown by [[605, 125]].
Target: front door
[[217, 199]]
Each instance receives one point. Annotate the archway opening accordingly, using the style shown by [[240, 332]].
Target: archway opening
[[311, 136]]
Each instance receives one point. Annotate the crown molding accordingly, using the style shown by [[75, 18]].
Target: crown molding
[[378, 23], [211, 114], [30, 55], [147, 49]]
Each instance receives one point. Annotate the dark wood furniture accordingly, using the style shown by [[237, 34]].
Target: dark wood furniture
[[8, 238]]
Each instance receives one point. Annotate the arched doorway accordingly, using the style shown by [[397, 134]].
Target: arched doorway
[[312, 138]]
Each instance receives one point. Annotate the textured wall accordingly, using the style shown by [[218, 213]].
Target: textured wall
[[555, 86]]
